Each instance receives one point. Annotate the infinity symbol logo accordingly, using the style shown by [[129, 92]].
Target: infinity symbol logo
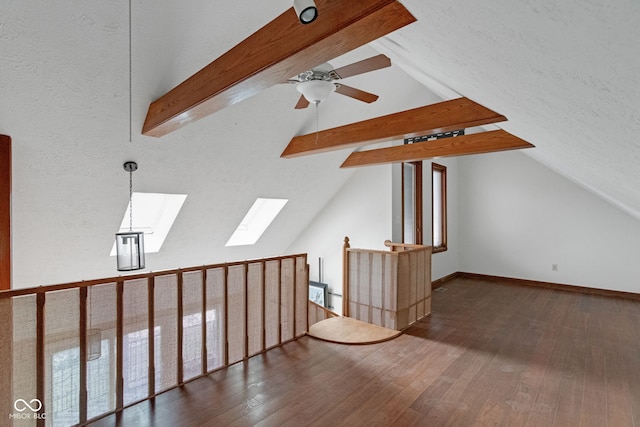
[[21, 405]]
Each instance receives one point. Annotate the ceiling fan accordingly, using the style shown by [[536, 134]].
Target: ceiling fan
[[317, 84]]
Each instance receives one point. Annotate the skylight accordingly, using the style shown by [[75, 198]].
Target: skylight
[[154, 214], [256, 221]]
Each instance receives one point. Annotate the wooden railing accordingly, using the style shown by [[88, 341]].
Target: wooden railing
[[318, 313], [387, 288], [79, 351], [400, 247]]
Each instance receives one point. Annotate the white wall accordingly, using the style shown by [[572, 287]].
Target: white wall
[[517, 218], [361, 210]]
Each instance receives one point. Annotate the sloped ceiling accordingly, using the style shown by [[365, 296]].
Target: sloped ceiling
[[565, 75]]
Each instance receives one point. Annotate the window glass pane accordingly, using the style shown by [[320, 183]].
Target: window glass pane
[[408, 208], [135, 342], [100, 395], [439, 203], [192, 324], [256, 221], [62, 348], [437, 208], [166, 318], [101, 364], [153, 214], [65, 381], [191, 345]]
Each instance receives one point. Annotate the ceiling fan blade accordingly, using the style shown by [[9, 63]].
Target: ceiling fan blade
[[302, 103], [358, 94], [364, 66]]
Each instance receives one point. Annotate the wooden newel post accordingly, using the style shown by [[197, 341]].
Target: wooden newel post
[[345, 278]]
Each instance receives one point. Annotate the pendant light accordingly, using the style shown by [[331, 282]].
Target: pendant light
[[130, 244]]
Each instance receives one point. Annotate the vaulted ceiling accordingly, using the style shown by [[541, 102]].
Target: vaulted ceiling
[[566, 75]]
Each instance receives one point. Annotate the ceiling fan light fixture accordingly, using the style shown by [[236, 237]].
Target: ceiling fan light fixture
[[316, 91], [306, 10]]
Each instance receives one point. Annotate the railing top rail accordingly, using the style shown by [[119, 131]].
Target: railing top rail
[[397, 247], [391, 253], [326, 310], [127, 278], [416, 249], [373, 251]]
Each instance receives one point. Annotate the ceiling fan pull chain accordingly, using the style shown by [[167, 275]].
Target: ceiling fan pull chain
[[317, 122]]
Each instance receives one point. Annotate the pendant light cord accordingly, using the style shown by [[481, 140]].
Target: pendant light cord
[[130, 201], [130, 124], [130, 82]]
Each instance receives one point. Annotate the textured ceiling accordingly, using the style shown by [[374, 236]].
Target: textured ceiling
[[566, 75]]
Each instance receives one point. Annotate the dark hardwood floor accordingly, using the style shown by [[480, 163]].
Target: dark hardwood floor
[[490, 355]]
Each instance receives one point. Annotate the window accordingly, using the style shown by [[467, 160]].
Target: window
[[192, 342], [135, 346], [412, 203], [256, 221], [439, 204], [154, 214], [65, 388]]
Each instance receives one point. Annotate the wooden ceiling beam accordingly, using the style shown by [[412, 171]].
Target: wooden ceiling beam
[[477, 143], [278, 51], [444, 116]]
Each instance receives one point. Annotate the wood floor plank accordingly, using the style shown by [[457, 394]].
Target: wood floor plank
[[523, 400], [619, 410], [489, 355], [546, 401], [595, 388]]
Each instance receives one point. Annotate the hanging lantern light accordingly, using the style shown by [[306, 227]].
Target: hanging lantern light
[[130, 244]]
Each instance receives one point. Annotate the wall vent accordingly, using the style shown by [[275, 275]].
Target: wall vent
[[434, 136]]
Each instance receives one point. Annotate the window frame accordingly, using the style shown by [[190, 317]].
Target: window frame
[[442, 170], [417, 202]]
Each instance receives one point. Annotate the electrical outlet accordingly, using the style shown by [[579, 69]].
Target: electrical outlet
[[554, 267]]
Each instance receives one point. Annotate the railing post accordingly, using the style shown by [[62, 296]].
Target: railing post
[[119, 345], [295, 285], [263, 301], [40, 355], [179, 344], [205, 353], [279, 301], [306, 309], [152, 339], [82, 332], [345, 278], [226, 315], [246, 310]]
